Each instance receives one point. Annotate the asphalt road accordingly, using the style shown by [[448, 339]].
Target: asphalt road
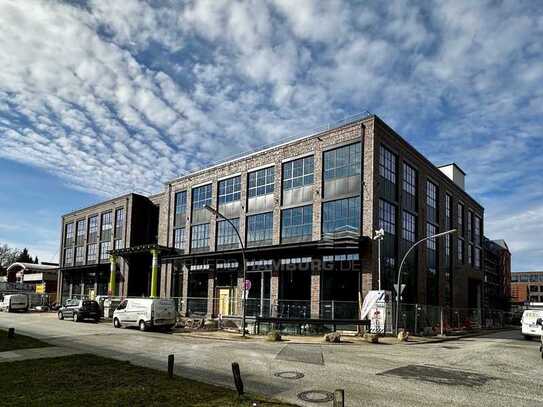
[[499, 369]]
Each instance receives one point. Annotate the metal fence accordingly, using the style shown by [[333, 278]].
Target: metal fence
[[418, 319]]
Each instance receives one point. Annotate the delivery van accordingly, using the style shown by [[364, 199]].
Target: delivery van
[[145, 313], [530, 327], [14, 302]]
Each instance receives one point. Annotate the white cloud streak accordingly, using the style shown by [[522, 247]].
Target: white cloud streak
[[121, 96]]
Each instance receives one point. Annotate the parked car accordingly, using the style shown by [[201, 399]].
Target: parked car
[[14, 302], [145, 313], [79, 310], [530, 327]]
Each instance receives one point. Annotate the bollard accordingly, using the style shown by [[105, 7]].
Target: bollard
[[339, 398], [237, 378], [170, 366], [11, 333]]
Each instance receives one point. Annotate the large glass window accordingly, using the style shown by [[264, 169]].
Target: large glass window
[[80, 232], [180, 202], [92, 253], [387, 217], [260, 228], [104, 248], [460, 251], [230, 190], [93, 229], [343, 161], [431, 261], [297, 223], [179, 238], [200, 237], [201, 196], [298, 173], [227, 237], [79, 255], [409, 180], [477, 230], [387, 164], [448, 211], [341, 215], [431, 201], [409, 230], [69, 234], [68, 256], [119, 223], [460, 219], [105, 233], [180, 208], [477, 257], [470, 254], [431, 246], [447, 250], [261, 182], [469, 222]]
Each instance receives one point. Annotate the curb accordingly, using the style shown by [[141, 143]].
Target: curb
[[456, 338]]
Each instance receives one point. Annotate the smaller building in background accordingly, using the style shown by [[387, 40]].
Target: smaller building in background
[[526, 287], [33, 278], [497, 275]]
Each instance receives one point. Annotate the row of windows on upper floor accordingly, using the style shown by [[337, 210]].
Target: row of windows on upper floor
[[466, 252], [91, 253], [86, 230], [339, 162], [296, 225], [468, 224], [527, 277]]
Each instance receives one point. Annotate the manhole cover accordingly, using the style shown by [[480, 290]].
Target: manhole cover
[[289, 375], [316, 396]]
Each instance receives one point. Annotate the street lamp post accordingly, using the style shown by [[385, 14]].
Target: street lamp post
[[244, 265], [400, 270], [379, 235]]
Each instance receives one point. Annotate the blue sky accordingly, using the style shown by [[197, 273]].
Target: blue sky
[[108, 97]]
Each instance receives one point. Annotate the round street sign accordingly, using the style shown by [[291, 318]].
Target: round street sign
[[247, 284]]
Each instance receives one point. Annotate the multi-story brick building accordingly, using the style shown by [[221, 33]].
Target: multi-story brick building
[[497, 275], [526, 287], [87, 237], [307, 210]]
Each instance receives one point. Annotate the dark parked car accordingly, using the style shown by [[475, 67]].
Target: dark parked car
[[78, 310]]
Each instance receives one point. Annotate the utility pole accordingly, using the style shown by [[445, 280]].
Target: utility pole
[[379, 235]]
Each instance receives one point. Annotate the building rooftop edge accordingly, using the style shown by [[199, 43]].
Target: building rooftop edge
[[350, 120]]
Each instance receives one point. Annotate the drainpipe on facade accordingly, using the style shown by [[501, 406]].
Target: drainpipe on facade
[[154, 274]]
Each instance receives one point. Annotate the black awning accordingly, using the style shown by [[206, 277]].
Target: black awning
[[302, 249], [144, 249]]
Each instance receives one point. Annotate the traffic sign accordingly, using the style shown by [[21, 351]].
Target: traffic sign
[[396, 288]]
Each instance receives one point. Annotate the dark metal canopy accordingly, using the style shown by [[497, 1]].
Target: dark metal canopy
[[143, 249], [322, 247]]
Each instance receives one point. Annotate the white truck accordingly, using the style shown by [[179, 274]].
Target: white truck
[[145, 313], [529, 321], [14, 302]]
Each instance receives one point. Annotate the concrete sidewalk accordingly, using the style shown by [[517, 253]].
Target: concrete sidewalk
[[37, 353]]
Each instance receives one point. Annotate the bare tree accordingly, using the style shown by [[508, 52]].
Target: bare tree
[[8, 255]]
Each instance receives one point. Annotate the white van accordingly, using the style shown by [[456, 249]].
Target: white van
[[145, 313], [14, 302], [530, 328]]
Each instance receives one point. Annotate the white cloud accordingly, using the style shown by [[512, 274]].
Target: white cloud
[[118, 96]]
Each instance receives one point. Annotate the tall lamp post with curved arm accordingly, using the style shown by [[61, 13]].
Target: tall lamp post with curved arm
[[244, 265], [400, 271]]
